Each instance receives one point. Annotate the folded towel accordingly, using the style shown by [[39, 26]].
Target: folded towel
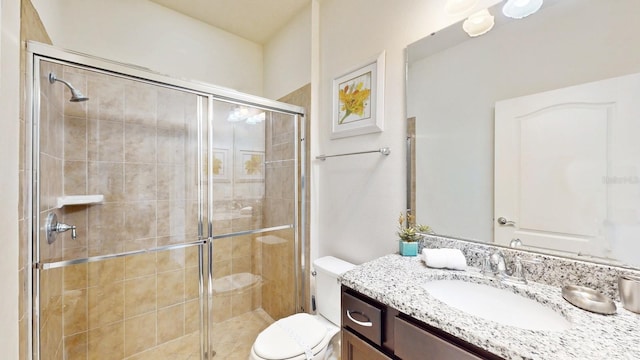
[[444, 258]]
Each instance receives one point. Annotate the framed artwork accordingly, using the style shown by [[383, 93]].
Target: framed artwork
[[249, 165], [358, 100], [220, 165]]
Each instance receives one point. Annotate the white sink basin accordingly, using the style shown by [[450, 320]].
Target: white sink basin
[[501, 306]]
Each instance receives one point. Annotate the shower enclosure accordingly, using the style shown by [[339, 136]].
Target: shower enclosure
[[167, 220]]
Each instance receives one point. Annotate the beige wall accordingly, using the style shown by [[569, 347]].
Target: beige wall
[[357, 199], [146, 34], [9, 135]]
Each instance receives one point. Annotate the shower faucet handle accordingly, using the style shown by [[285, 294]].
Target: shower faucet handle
[[53, 227], [64, 227]]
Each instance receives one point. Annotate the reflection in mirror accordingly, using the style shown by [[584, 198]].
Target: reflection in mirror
[[534, 124]]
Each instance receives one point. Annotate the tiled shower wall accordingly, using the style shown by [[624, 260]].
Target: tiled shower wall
[[135, 144]]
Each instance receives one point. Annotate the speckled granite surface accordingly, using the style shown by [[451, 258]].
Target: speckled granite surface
[[551, 270], [395, 281]]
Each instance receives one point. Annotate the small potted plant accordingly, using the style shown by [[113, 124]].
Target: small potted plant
[[409, 235]]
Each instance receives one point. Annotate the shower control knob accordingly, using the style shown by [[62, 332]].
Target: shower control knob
[[52, 227]]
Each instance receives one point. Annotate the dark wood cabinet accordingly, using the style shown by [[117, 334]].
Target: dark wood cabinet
[[372, 331], [353, 348]]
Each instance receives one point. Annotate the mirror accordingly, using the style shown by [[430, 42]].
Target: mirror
[[457, 86]]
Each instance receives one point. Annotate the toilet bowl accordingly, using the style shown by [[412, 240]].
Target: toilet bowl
[[303, 336], [297, 337]]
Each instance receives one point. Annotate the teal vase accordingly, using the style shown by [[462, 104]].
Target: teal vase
[[408, 248]]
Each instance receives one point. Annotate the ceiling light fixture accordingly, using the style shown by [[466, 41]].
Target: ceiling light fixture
[[518, 9], [478, 23], [458, 7]]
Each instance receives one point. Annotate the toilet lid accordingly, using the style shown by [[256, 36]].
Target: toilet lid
[[289, 337]]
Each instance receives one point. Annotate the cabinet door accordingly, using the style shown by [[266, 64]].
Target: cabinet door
[[354, 348], [414, 343]]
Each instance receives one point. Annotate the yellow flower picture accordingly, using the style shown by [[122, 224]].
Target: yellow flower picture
[[355, 97], [358, 100], [253, 166], [249, 165]]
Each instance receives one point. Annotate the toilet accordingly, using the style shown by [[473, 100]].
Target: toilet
[[303, 336]]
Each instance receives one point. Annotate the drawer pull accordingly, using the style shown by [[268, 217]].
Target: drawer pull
[[361, 323]]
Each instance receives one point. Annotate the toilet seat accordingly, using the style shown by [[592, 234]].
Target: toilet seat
[[292, 337]]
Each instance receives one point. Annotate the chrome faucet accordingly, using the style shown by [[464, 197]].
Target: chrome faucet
[[494, 264], [498, 264]]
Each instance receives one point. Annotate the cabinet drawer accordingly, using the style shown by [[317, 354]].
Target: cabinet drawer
[[413, 343], [355, 349], [362, 317]]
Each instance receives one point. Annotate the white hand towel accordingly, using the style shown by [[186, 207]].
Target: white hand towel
[[444, 258]]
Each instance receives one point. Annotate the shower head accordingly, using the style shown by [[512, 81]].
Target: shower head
[[76, 95]]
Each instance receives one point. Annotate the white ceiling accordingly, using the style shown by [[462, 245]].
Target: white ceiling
[[255, 20]]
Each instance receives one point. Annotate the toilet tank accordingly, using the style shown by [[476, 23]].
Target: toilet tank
[[328, 269]]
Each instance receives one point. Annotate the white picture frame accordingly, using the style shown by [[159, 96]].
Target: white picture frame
[[358, 100]]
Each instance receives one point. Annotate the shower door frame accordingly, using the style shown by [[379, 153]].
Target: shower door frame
[[37, 52]]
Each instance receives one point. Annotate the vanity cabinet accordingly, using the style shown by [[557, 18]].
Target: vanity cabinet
[[353, 348], [374, 331]]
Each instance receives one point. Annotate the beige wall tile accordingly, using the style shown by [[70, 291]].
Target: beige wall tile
[[140, 181], [75, 304], [221, 308], [139, 143], [76, 277], [192, 275], [170, 288], [172, 182], [241, 264], [140, 103], [172, 106], [191, 255], [107, 98], [106, 228], [140, 220], [140, 296], [76, 346], [107, 343], [75, 138], [106, 272], [140, 333], [106, 304], [106, 178], [170, 323], [241, 303], [171, 260], [241, 246], [140, 265], [105, 141], [171, 145], [192, 316], [222, 249]]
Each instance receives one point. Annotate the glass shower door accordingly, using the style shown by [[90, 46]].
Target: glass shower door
[[125, 170], [254, 187]]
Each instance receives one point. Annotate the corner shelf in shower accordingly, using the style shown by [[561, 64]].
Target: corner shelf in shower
[[79, 200]]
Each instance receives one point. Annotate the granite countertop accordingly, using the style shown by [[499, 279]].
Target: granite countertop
[[395, 281]]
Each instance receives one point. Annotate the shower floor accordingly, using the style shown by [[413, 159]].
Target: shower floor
[[232, 340]]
